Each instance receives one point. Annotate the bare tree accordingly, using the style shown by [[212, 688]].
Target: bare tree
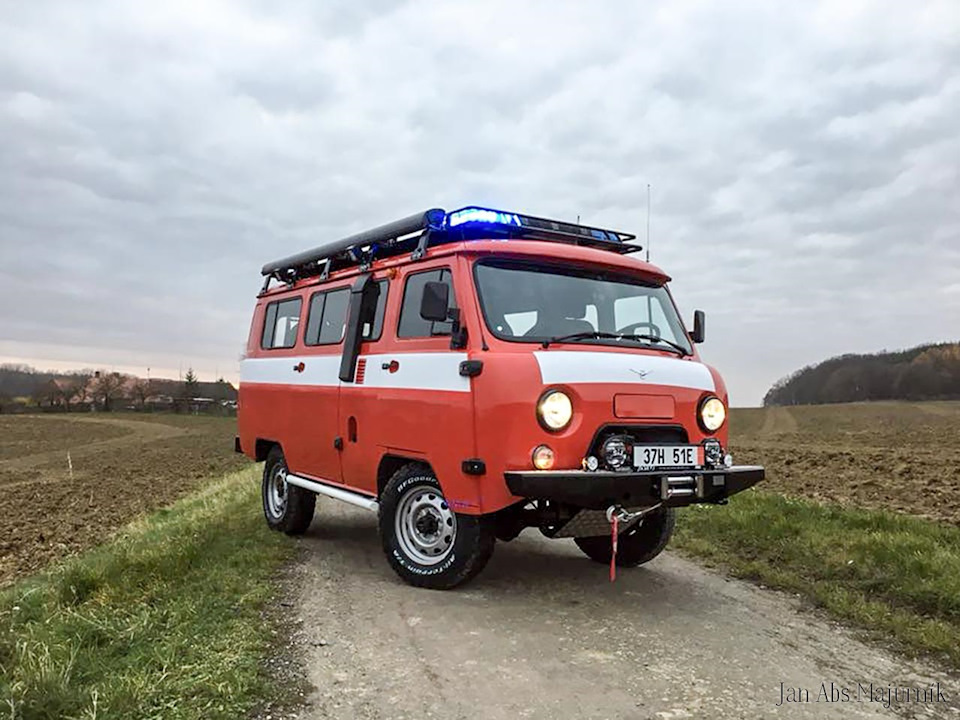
[[49, 394], [78, 387], [107, 388], [141, 391]]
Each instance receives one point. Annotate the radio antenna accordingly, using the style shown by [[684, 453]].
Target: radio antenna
[[648, 222]]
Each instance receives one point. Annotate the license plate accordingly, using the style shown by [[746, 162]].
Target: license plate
[[655, 457]]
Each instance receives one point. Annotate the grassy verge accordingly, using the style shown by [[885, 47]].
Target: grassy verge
[[895, 574], [165, 620]]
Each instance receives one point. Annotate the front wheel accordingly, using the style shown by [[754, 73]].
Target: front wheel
[[425, 541], [635, 546]]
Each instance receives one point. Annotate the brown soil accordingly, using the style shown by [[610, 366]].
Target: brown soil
[[895, 456], [123, 465]]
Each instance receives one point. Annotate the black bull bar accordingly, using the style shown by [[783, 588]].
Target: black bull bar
[[600, 489]]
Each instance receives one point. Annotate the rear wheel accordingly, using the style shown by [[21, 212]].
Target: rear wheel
[[286, 507], [635, 546], [425, 541]]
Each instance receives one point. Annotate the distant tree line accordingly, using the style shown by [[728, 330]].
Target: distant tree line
[[22, 387], [928, 372]]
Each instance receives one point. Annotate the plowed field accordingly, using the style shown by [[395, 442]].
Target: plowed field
[[897, 456], [122, 465]]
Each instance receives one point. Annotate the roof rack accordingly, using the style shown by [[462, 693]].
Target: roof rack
[[432, 227]]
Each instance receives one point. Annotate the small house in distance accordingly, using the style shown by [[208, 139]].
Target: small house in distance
[[163, 394]]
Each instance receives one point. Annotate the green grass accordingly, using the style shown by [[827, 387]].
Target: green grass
[[165, 620], [893, 574]]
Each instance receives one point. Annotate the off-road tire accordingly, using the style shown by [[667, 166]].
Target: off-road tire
[[298, 505], [635, 546], [471, 545]]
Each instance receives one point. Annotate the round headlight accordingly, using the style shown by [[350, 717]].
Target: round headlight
[[555, 410], [712, 414]]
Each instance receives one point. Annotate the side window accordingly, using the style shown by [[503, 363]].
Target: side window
[[411, 324], [328, 317], [327, 320], [280, 324]]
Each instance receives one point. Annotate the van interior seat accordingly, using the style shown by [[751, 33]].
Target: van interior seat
[[561, 316]]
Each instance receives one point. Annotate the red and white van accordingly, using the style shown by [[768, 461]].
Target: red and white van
[[474, 373]]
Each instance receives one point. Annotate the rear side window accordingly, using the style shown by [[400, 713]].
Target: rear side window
[[327, 320], [328, 317], [411, 324], [280, 324]]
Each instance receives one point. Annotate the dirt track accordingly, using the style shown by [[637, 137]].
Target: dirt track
[[542, 634]]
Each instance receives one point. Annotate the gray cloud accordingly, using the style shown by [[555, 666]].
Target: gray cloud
[[803, 159]]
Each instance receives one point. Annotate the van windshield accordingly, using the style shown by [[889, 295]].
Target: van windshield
[[525, 302]]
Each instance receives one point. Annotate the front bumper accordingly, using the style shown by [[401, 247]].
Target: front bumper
[[600, 489]]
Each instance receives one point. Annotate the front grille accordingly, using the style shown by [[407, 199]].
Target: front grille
[[641, 435]]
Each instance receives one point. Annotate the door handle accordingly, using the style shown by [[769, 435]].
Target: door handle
[[391, 366]]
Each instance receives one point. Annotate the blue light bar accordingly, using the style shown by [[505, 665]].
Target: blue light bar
[[499, 222], [482, 215]]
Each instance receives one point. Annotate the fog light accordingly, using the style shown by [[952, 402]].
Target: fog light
[[728, 460], [712, 453], [616, 453], [542, 457], [591, 463]]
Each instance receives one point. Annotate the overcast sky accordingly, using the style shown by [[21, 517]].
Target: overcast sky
[[804, 160]]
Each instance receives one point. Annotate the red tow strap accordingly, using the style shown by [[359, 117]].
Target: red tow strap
[[614, 522]]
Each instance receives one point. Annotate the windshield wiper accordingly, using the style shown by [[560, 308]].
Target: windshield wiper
[[581, 336], [596, 335], [652, 338]]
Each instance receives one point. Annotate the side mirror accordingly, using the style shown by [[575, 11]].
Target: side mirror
[[699, 326], [435, 303]]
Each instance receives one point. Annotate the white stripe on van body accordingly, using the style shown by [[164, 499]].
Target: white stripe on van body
[[318, 370], [558, 367], [417, 371]]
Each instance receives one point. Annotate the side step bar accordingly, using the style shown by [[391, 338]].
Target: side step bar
[[347, 496]]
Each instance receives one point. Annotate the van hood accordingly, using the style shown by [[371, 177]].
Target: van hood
[[569, 367]]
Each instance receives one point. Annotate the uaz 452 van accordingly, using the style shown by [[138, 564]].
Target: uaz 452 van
[[470, 374]]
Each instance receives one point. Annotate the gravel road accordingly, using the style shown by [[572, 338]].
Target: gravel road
[[541, 633]]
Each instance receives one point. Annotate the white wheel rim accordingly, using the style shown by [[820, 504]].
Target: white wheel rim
[[426, 527], [277, 491]]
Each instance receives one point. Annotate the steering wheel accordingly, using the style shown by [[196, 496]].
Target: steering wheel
[[632, 328]]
